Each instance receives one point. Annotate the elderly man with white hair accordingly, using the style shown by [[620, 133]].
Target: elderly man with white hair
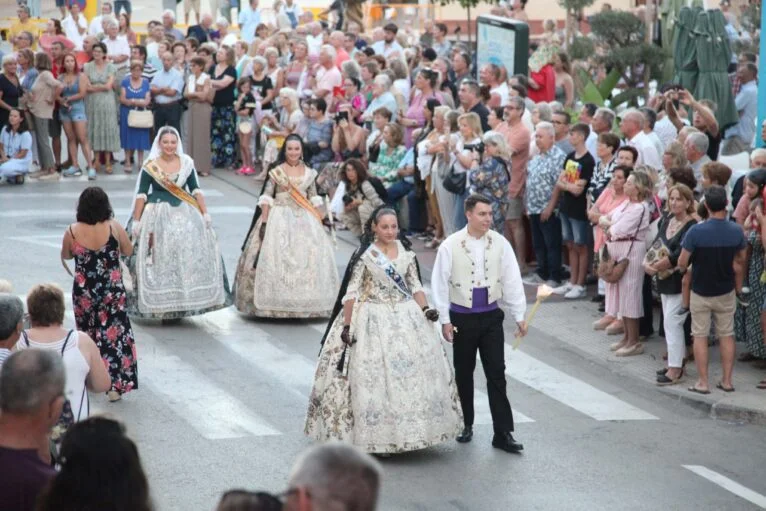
[[222, 35], [632, 126], [602, 122], [542, 200], [11, 323], [327, 75], [334, 476], [117, 47], [168, 24], [202, 31], [695, 147], [95, 24], [315, 38], [382, 97]]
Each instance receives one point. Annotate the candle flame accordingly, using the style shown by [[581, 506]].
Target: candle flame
[[544, 292]]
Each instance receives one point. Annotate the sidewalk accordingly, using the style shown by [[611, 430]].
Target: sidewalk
[[570, 322]]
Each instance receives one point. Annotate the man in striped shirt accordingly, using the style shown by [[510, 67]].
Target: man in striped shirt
[[11, 323]]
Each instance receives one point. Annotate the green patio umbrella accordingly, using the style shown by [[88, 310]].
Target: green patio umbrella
[[713, 57], [669, 21], [685, 49]]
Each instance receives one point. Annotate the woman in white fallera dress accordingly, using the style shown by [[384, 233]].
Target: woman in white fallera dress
[[176, 265], [287, 267], [383, 381]]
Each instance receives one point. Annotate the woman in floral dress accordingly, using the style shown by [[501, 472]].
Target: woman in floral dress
[[383, 381], [98, 294], [492, 178]]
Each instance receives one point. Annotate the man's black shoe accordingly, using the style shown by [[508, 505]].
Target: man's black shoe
[[506, 442], [466, 435]]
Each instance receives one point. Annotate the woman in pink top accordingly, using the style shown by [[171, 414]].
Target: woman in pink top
[[413, 118], [612, 196], [53, 33]]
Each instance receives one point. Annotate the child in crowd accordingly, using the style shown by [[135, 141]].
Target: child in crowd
[[245, 106]]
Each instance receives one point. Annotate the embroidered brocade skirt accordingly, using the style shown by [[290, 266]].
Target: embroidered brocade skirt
[[296, 276], [400, 393], [176, 264]]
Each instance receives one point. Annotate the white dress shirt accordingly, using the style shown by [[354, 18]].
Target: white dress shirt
[[95, 27], [71, 31], [513, 301], [647, 153]]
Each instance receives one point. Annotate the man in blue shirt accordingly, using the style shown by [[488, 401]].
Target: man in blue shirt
[[717, 249], [740, 137], [167, 86]]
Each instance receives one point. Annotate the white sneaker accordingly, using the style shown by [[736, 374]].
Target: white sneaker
[[533, 279], [575, 292], [563, 289]]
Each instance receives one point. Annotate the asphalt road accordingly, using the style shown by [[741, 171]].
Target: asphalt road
[[222, 401]]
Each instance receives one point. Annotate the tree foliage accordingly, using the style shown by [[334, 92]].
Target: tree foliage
[[621, 35], [575, 5]]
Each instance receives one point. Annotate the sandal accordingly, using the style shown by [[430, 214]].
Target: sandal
[[109, 168], [698, 391], [664, 380], [761, 385], [720, 386], [128, 168]]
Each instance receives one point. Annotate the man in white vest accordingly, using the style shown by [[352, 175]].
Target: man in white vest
[[476, 273]]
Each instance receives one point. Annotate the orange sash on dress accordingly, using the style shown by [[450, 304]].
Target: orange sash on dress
[[176, 191], [281, 178]]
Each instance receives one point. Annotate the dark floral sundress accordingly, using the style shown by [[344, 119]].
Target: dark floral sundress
[[100, 310]]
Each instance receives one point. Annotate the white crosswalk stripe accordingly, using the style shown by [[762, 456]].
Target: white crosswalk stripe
[[728, 485], [119, 213], [569, 390], [51, 195], [208, 408]]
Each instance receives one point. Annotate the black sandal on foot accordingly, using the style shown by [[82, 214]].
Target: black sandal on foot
[[720, 386], [698, 391]]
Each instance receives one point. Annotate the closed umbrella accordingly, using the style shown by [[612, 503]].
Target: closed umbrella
[[669, 19], [685, 49], [713, 57]]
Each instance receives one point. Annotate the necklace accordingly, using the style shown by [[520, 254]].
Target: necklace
[[674, 225]]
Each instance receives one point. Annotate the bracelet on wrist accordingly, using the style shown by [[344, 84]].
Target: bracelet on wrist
[[424, 308]]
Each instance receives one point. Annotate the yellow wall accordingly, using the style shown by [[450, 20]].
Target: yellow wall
[[536, 9]]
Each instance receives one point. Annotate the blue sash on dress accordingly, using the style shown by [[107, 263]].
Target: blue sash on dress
[[384, 264]]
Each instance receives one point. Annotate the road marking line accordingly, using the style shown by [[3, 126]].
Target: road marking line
[[209, 409], [119, 213], [290, 368], [117, 194], [482, 413], [728, 485], [569, 390]]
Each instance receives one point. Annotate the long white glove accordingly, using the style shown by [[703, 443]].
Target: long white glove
[[208, 220], [135, 229]]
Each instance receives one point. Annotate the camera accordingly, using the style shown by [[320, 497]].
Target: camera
[[347, 199], [479, 148], [341, 116]]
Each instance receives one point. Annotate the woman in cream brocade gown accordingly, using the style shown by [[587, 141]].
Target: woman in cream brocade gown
[[287, 267], [393, 389]]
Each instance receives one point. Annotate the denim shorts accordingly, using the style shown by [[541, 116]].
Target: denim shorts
[[75, 114], [574, 230]]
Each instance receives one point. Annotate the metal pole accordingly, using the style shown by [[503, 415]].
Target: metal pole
[[759, 142]]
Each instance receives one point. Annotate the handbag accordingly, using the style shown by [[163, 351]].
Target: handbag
[[127, 277], [454, 182], [609, 269], [142, 119]]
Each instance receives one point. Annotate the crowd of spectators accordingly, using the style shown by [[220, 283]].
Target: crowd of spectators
[[397, 117]]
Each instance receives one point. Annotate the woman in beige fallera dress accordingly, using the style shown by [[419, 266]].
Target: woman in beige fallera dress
[[199, 93]]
